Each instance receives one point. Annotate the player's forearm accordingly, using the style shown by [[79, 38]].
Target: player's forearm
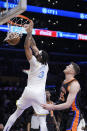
[[61, 106], [33, 45], [27, 43]]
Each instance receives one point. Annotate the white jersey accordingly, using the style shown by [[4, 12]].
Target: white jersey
[[37, 74], [34, 93]]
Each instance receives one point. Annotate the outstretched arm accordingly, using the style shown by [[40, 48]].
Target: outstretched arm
[[75, 87], [30, 42], [28, 51], [27, 43], [34, 47]]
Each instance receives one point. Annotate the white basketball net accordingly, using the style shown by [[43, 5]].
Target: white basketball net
[[16, 30]]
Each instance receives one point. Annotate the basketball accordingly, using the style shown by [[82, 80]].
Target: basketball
[[12, 38]]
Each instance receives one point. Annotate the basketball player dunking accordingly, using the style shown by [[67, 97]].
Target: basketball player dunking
[[69, 98], [34, 92]]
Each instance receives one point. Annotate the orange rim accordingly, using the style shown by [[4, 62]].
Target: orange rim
[[20, 16]]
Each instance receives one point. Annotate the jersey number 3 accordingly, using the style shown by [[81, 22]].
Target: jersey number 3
[[41, 75]]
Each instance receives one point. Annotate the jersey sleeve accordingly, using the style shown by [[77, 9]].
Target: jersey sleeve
[[33, 63], [26, 71]]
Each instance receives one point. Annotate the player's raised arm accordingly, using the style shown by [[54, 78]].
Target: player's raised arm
[[70, 99], [27, 43], [34, 47]]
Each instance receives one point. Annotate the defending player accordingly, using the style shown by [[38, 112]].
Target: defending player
[[69, 98]]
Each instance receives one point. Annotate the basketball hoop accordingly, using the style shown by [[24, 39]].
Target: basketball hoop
[[21, 19], [13, 37]]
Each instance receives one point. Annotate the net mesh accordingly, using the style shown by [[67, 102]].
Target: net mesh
[[15, 26], [16, 29]]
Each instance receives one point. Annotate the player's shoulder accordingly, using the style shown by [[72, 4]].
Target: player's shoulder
[[75, 82], [33, 58], [75, 85]]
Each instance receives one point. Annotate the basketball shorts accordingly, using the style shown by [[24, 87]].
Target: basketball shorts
[[33, 97], [73, 121]]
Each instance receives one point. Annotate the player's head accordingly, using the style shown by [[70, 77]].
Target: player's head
[[72, 68], [42, 57]]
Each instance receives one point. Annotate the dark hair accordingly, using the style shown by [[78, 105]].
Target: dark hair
[[76, 68], [44, 59]]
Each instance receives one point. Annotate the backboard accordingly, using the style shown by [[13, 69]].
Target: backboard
[[10, 9]]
